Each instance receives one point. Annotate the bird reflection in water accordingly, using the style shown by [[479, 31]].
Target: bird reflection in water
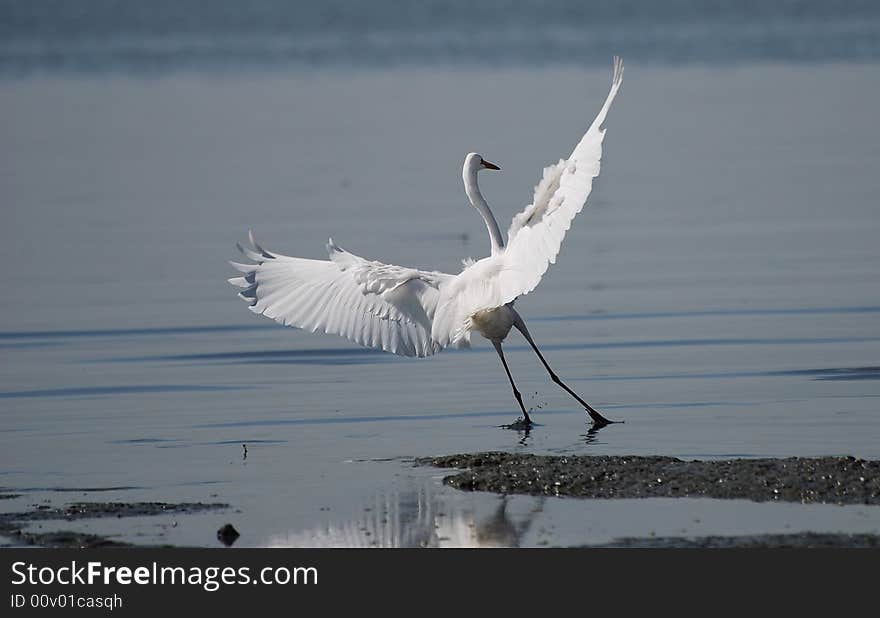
[[418, 518], [589, 438], [592, 435]]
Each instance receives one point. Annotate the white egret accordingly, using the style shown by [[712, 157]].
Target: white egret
[[413, 312]]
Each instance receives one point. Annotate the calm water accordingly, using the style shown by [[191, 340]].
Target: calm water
[[720, 292], [128, 35]]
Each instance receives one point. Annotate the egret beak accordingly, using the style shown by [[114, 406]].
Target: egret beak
[[490, 166]]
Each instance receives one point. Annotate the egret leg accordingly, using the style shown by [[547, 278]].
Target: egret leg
[[516, 393], [598, 419]]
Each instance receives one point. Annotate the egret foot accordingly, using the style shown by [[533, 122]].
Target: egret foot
[[520, 424], [599, 421]]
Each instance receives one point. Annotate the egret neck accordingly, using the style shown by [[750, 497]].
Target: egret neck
[[469, 175]]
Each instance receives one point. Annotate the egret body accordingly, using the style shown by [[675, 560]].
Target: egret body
[[413, 312]]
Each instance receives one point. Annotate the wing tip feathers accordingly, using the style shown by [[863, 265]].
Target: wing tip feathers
[[617, 74]]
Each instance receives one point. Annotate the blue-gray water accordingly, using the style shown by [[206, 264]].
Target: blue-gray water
[[719, 293], [161, 35]]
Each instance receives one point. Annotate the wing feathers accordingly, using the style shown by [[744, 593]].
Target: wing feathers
[[536, 234], [533, 239], [416, 313], [374, 304]]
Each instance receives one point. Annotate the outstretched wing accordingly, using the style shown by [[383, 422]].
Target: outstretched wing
[[376, 305], [535, 235]]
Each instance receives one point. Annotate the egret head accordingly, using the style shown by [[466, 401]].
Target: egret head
[[474, 163]]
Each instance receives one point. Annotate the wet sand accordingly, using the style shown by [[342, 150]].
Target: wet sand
[[841, 480], [836, 480], [766, 541], [14, 525], [62, 539]]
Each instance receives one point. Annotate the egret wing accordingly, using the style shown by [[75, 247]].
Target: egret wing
[[374, 304], [533, 240], [535, 235]]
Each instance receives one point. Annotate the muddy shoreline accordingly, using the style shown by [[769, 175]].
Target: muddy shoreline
[[15, 526], [762, 541], [838, 480], [834, 480]]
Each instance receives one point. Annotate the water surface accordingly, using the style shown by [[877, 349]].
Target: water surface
[[719, 294]]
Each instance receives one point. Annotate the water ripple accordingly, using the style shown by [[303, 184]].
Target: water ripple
[[126, 332], [117, 390], [708, 313]]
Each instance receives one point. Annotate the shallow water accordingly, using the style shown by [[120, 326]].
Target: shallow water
[[719, 294]]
